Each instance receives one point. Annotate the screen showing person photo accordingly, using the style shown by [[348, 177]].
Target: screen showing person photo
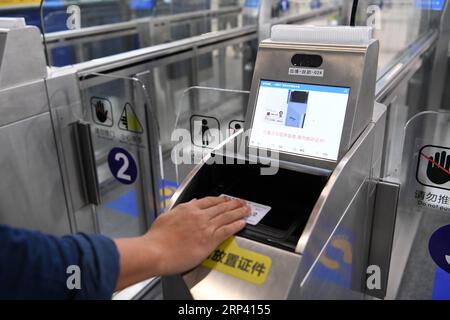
[[299, 119]]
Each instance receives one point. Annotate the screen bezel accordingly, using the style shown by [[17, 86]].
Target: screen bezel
[[291, 154]]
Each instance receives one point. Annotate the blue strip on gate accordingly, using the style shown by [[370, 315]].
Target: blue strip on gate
[[128, 202], [436, 5], [441, 289]]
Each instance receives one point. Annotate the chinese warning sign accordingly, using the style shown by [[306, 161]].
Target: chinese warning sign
[[433, 174], [434, 200], [433, 169], [244, 264]]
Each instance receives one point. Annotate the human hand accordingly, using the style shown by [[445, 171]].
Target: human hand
[[186, 235], [180, 239]]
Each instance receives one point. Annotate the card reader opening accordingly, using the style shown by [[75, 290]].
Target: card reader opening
[[291, 195]]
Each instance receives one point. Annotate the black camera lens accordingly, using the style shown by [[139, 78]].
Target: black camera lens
[[307, 60]]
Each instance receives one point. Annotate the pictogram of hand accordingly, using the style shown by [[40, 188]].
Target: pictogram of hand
[[101, 112], [438, 168]]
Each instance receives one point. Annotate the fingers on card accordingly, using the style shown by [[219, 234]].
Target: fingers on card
[[259, 211]]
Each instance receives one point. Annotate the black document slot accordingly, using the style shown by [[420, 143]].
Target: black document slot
[[290, 194]]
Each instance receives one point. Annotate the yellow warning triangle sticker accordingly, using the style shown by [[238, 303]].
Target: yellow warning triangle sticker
[[129, 120]]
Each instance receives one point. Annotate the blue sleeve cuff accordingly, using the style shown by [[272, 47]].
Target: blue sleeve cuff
[[99, 265], [34, 265]]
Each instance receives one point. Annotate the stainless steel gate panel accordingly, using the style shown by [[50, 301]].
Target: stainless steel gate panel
[[31, 188]]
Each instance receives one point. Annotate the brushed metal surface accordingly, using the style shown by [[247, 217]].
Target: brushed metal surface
[[31, 191], [211, 284], [330, 277], [346, 179], [344, 207], [22, 58], [385, 213], [31, 188], [22, 102], [66, 109]]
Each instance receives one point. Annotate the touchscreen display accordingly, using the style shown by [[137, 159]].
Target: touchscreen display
[[299, 119]]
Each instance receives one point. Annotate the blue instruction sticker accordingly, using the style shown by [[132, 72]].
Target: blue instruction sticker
[[439, 247], [122, 166]]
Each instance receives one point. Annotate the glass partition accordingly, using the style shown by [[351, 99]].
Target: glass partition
[[285, 8], [205, 117], [126, 154], [398, 24], [82, 30], [78, 31], [335, 258], [226, 66], [420, 262], [339, 268]]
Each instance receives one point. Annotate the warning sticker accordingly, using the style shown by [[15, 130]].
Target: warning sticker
[[240, 263], [102, 111], [433, 175], [129, 121], [433, 168]]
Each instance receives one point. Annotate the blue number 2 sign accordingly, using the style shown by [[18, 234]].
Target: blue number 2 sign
[[122, 166]]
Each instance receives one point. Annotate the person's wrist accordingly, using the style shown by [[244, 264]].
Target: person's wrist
[[153, 254]]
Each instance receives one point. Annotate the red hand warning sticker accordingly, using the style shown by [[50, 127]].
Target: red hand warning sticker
[[433, 168]]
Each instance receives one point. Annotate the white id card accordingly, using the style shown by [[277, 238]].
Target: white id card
[[259, 211]]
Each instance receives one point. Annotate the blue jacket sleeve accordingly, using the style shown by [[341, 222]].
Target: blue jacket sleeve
[[38, 266]]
